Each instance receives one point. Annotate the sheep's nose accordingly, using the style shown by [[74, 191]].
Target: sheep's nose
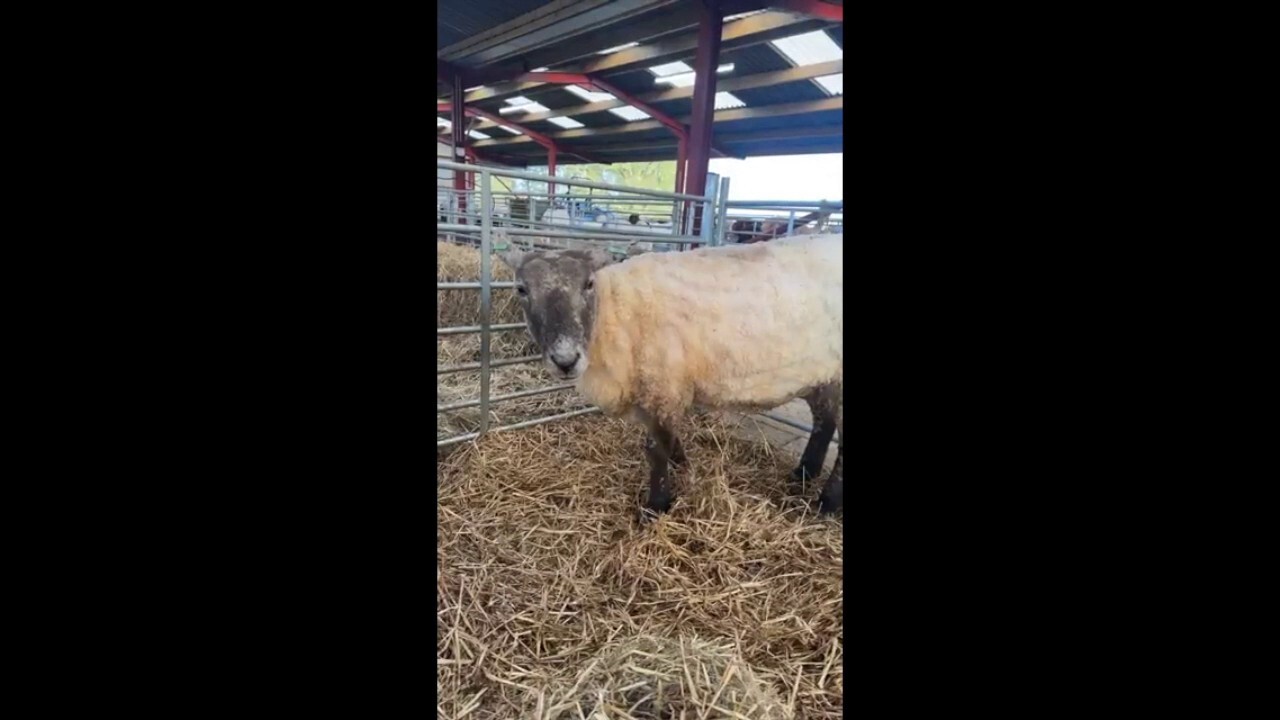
[[565, 362]]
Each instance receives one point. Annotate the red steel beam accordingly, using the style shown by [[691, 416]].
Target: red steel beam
[[534, 135], [591, 81], [710, 28], [637, 103], [459, 144], [681, 129], [812, 8]]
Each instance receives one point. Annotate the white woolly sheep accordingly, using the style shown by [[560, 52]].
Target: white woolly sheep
[[742, 327]]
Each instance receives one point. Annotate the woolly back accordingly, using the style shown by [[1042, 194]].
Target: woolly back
[[735, 325]]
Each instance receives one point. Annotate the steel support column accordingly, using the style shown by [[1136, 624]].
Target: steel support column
[[682, 163], [458, 117], [551, 173], [705, 62]]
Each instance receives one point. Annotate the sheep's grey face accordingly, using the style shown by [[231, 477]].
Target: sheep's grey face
[[557, 292]]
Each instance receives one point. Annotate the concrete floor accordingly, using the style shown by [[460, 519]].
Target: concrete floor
[[784, 438]]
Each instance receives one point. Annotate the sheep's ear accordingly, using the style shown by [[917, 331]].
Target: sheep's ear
[[512, 258], [599, 258]]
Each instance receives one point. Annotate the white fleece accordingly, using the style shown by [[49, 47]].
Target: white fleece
[[741, 327]]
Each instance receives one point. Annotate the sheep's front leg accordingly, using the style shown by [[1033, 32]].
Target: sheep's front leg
[[658, 448]]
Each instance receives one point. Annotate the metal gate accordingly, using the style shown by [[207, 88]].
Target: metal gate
[[537, 211]]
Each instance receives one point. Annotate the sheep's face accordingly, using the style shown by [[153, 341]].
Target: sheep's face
[[557, 292]]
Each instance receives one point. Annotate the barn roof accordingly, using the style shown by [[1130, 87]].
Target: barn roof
[[779, 85]]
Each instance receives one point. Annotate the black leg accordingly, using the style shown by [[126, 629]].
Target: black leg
[[815, 453], [677, 452], [658, 450], [824, 402], [832, 498]]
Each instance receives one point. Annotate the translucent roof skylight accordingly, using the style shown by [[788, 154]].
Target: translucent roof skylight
[[565, 122], [808, 49], [727, 101], [478, 135], [587, 95], [521, 103], [833, 84], [629, 113], [513, 132], [616, 49], [686, 79], [670, 69]]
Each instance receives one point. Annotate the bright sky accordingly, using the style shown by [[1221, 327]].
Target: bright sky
[[784, 177]]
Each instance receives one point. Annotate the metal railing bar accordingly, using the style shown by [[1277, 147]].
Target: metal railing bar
[[486, 302], [456, 167], [472, 285], [492, 363], [593, 235], [502, 398], [472, 329]]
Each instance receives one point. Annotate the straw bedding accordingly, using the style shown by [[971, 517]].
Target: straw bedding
[[554, 603]]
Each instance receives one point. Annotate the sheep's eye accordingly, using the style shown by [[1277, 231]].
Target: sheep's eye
[[521, 291], [591, 283]]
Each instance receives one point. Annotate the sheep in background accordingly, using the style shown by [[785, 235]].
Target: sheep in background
[[742, 327]]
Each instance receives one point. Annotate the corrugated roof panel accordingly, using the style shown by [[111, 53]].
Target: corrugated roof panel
[[833, 84], [776, 95], [567, 123], [755, 59], [671, 68], [630, 114], [636, 82], [728, 101], [826, 118], [457, 21], [587, 95], [808, 48], [676, 108], [837, 35]]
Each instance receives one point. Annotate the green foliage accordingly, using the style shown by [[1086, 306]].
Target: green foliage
[[647, 175]]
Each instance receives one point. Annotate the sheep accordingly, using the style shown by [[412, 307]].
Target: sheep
[[740, 327], [753, 231]]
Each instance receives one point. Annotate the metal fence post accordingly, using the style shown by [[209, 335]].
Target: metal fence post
[[486, 278], [709, 215], [722, 213]]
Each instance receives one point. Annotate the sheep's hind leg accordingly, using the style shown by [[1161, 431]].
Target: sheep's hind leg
[[677, 452], [823, 403], [832, 498], [658, 448]]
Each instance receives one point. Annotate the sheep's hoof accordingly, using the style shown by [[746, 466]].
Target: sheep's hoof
[[799, 475], [648, 515], [830, 504], [651, 510]]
